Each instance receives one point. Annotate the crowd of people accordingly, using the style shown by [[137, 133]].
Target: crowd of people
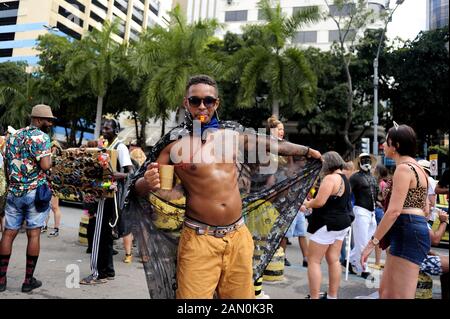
[[215, 250]]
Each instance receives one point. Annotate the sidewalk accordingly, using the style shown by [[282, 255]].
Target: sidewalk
[[295, 282], [63, 262]]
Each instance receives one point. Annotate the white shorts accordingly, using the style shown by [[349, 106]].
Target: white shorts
[[324, 237]]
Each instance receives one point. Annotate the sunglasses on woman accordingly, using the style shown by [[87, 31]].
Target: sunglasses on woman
[[208, 101]]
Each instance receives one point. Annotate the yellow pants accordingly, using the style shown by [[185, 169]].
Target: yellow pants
[[207, 264]]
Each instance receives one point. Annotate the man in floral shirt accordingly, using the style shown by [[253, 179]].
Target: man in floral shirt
[[27, 158]]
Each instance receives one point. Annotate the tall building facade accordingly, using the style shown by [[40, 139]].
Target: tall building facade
[[234, 14], [437, 14], [22, 21]]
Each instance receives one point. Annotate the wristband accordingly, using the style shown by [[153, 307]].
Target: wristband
[[307, 151]]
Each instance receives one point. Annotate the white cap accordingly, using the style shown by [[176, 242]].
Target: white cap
[[425, 165]]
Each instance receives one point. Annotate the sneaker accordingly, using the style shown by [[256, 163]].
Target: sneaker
[[107, 277], [54, 233], [3, 286], [287, 262], [44, 229], [262, 295], [365, 274], [128, 258], [322, 295], [91, 280], [351, 270], [34, 283]]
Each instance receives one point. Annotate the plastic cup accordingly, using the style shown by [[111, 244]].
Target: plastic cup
[[166, 176]]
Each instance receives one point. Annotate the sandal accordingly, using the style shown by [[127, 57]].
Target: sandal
[[91, 280]]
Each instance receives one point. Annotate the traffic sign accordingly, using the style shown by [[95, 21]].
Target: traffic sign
[[433, 164]]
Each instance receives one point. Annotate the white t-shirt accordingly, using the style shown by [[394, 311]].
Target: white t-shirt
[[124, 156], [431, 185]]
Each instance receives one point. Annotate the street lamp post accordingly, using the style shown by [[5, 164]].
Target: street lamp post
[[375, 81]]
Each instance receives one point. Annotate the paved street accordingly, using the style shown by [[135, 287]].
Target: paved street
[[63, 261]]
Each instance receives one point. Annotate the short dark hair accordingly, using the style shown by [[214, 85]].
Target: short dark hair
[[331, 162], [202, 79], [115, 125], [403, 138], [381, 171]]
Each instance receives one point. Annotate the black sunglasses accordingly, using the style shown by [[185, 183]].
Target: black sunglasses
[[208, 101]]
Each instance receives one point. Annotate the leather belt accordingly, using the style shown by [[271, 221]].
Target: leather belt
[[216, 231]]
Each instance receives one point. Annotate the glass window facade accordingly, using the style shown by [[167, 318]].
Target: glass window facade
[[239, 15]]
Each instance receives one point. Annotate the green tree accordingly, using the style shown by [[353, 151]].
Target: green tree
[[166, 57], [420, 79], [96, 62], [74, 100], [19, 91], [267, 63], [350, 18]]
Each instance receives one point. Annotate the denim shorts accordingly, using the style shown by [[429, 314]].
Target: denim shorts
[[379, 213], [298, 227], [22, 208], [410, 238]]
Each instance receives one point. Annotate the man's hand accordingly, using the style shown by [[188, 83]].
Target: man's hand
[[151, 177], [314, 154], [120, 176], [443, 216]]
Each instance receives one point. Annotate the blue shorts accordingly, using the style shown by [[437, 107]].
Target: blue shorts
[[298, 227], [410, 238], [379, 213], [22, 208]]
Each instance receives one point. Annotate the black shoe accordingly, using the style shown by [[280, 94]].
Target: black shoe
[[3, 286], [108, 277], [322, 295], [286, 262], [34, 283], [305, 264], [115, 252], [288, 242], [351, 270], [365, 274]]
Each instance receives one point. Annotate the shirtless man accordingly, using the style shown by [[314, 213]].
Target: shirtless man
[[222, 261]]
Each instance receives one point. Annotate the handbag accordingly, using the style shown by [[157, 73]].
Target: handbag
[[43, 197], [385, 242]]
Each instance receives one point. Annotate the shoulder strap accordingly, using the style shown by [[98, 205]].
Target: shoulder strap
[[415, 173]]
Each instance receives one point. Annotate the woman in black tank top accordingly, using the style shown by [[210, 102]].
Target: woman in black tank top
[[329, 224]]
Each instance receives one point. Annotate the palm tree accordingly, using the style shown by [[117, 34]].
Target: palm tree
[[97, 62], [267, 60], [166, 58], [18, 99]]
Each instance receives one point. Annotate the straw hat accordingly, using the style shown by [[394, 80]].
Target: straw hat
[[42, 111], [425, 165], [373, 160]]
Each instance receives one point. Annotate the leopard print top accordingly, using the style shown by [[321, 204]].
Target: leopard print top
[[416, 197]]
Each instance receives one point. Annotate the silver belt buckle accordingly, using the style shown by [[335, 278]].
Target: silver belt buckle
[[219, 233], [200, 231]]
